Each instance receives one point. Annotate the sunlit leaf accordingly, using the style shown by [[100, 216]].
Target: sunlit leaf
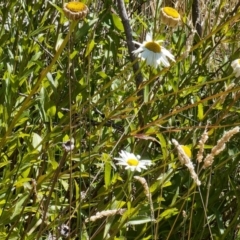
[[140, 220], [19, 205], [51, 111], [200, 111], [36, 141], [90, 47], [117, 22], [169, 213], [163, 144], [107, 169], [21, 182]]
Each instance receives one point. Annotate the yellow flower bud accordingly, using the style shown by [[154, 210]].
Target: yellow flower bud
[[75, 10], [170, 16]]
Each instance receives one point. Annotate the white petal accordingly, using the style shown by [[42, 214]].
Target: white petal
[[235, 63], [147, 162], [136, 52], [140, 44], [145, 53], [165, 62], [122, 163], [149, 37], [168, 54], [138, 169]]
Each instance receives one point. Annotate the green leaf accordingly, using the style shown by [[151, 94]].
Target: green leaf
[[51, 111], [30, 232], [36, 56], [19, 205], [163, 144], [136, 220], [90, 47], [169, 213], [2, 164], [175, 197], [51, 80], [166, 184], [107, 169], [73, 54], [64, 184], [21, 182], [220, 222], [77, 191], [36, 141], [200, 112], [41, 29], [117, 22]]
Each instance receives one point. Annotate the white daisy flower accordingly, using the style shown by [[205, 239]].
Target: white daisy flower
[[132, 162], [236, 67], [153, 52]]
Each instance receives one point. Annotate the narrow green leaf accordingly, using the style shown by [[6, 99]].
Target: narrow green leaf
[[117, 22], [169, 213], [51, 80], [41, 29], [163, 145], [64, 184], [220, 222], [162, 140], [77, 191], [36, 141], [140, 220], [18, 207], [90, 47], [36, 56], [29, 233], [4, 163], [73, 54], [20, 182], [107, 169], [166, 184], [175, 197], [200, 112]]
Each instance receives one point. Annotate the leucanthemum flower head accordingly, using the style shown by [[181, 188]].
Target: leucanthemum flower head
[[132, 162], [75, 10], [236, 67], [153, 52], [170, 16]]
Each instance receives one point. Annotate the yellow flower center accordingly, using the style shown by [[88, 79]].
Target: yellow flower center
[[239, 61], [187, 150], [76, 6], [132, 162], [171, 12], [153, 46]]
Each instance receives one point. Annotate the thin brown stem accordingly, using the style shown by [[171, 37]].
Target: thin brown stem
[[47, 202], [131, 48], [196, 17]]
